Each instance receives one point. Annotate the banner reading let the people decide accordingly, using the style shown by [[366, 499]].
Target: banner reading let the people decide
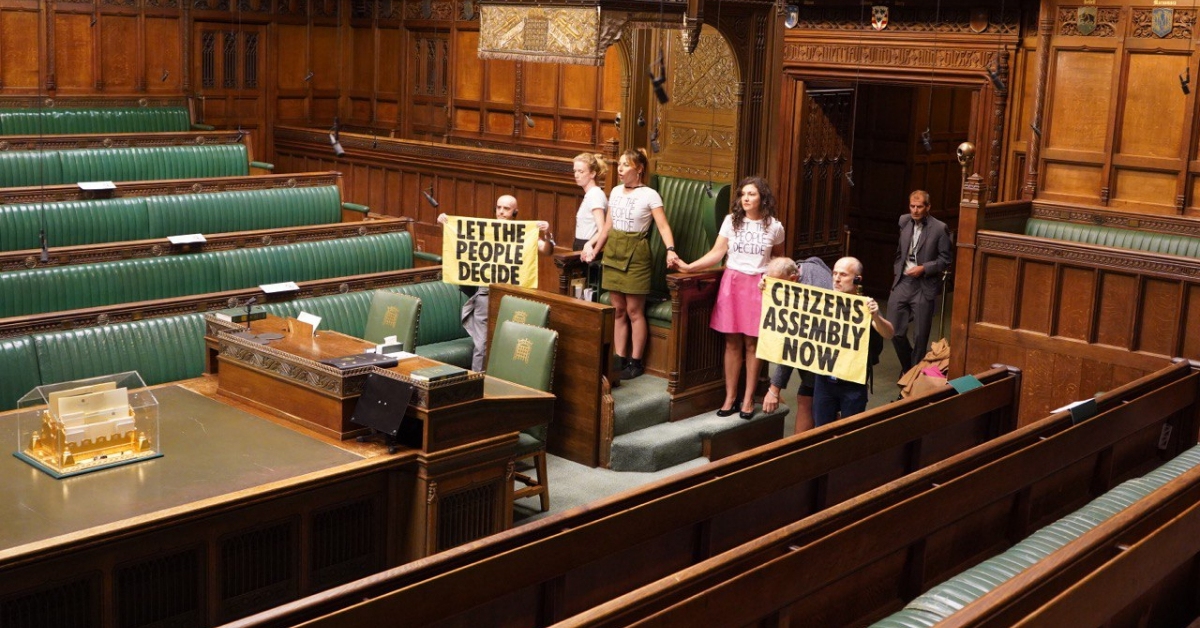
[[478, 252], [818, 330]]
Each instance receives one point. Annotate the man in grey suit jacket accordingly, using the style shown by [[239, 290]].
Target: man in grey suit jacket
[[922, 255]]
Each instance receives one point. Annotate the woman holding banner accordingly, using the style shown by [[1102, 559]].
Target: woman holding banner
[[625, 242], [748, 239]]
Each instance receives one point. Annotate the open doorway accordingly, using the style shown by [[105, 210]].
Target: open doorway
[[857, 151]]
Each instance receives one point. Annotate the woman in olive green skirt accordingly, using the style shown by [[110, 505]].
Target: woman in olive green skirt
[[625, 242]]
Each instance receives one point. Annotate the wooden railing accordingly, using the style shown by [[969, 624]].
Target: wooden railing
[[551, 569], [865, 558]]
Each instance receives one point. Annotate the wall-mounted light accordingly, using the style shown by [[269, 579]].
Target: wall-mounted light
[[308, 77], [529, 121], [165, 74]]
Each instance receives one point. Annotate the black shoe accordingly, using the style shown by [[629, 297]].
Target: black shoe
[[747, 415], [633, 369], [724, 412]]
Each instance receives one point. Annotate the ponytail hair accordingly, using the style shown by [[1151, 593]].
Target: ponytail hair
[[595, 162]]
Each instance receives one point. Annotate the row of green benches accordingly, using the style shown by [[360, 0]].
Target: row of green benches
[[60, 288], [172, 348], [50, 121], [1116, 237], [96, 221], [20, 168]]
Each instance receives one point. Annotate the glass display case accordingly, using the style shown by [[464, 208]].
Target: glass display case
[[86, 425]]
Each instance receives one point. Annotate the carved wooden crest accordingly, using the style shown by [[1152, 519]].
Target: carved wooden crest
[[1163, 21], [978, 21], [879, 17], [1085, 20]]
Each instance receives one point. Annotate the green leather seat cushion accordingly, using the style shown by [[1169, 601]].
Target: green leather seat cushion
[[520, 310], [71, 223], [523, 354], [1166, 244], [143, 163], [392, 313], [159, 349], [19, 371], [100, 120], [60, 288]]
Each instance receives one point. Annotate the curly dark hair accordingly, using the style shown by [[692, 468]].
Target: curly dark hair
[[766, 202]]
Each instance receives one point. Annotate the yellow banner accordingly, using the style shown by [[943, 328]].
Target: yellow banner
[[818, 330], [478, 252]]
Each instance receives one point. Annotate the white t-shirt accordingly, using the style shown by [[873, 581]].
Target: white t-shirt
[[750, 247], [585, 222], [630, 209]]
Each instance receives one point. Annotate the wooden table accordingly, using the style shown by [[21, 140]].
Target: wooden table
[[285, 378]]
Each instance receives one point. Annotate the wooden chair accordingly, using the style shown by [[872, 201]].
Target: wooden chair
[[524, 354], [393, 314]]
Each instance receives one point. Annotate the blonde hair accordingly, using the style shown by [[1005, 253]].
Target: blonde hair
[[595, 162], [782, 268]]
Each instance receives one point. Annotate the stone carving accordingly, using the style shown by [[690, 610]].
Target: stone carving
[[707, 78]]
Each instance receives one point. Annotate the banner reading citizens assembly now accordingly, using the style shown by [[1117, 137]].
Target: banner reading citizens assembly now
[[818, 330], [478, 252]]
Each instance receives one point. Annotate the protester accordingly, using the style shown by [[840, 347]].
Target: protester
[[810, 272], [475, 310], [749, 237], [832, 396], [588, 167], [625, 243]]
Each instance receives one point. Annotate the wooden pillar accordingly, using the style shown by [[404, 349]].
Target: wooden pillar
[[1045, 30], [970, 210]]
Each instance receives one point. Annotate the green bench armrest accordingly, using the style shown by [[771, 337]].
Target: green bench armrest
[[355, 207], [262, 164], [428, 257], [203, 127]]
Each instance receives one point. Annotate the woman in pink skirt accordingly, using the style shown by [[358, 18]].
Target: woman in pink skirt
[[749, 238]]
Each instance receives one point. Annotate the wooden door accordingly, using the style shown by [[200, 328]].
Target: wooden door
[[815, 175], [229, 73]]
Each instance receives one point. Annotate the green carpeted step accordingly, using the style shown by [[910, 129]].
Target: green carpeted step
[[668, 444], [640, 403]]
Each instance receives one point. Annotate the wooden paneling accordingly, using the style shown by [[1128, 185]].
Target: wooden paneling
[[1072, 180], [1152, 100], [1159, 321], [468, 71], [1077, 293], [1083, 92], [73, 58], [998, 296], [1037, 295], [18, 49], [119, 44], [1152, 192], [1118, 296], [163, 38]]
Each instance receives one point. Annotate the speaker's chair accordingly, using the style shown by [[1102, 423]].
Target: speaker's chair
[[393, 314], [524, 354]]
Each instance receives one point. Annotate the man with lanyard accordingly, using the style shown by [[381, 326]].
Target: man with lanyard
[[921, 257]]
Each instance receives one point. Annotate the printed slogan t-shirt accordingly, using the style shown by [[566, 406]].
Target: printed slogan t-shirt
[[585, 222], [750, 247], [630, 208]]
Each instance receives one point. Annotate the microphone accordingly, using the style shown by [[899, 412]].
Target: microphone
[[429, 197], [45, 250], [926, 140], [708, 191], [1184, 79], [994, 75], [850, 177], [657, 82]]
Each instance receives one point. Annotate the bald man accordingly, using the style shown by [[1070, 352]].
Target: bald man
[[835, 398], [475, 310]]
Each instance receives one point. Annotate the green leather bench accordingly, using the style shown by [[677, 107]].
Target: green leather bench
[[947, 598], [71, 223], [61, 288], [146, 163], [100, 120], [695, 219], [1115, 237], [172, 348]]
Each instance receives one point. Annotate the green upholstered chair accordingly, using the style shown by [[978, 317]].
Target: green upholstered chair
[[520, 310], [524, 354], [393, 314]]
